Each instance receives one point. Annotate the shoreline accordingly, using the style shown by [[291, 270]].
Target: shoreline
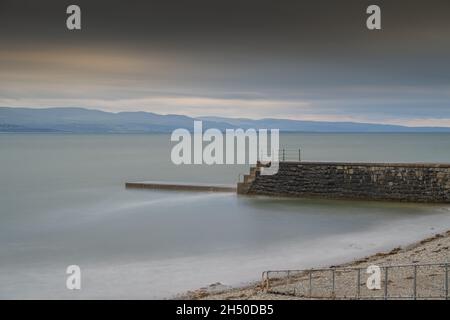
[[433, 249]]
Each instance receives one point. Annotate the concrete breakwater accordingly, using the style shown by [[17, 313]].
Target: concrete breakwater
[[412, 182], [181, 186]]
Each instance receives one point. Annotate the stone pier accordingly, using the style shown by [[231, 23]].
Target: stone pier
[[411, 182]]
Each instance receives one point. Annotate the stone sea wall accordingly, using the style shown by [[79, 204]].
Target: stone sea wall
[[412, 182]]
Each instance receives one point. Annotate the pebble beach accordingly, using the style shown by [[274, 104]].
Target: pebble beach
[[429, 282]]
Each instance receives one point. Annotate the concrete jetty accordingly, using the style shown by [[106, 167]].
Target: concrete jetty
[[181, 186]]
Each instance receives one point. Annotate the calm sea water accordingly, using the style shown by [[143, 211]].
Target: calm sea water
[[63, 202]]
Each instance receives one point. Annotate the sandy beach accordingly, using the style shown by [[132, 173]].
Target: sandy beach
[[430, 281]]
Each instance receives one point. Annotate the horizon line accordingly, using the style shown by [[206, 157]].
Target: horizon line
[[230, 118]]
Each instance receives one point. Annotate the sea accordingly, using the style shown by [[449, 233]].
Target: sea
[[63, 202]]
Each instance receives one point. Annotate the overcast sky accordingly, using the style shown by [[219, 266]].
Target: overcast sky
[[312, 60]]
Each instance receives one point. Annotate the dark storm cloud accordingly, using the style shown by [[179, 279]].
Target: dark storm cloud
[[201, 24], [299, 59]]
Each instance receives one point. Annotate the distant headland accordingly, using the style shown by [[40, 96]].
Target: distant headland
[[80, 120]]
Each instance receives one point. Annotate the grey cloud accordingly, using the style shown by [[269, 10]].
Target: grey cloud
[[313, 57]]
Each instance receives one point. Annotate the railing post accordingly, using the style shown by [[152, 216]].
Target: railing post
[[446, 281], [263, 280], [284, 155], [299, 155], [334, 283], [358, 284], [415, 283], [386, 283], [310, 283]]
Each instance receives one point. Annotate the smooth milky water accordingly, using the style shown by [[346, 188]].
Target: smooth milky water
[[63, 202]]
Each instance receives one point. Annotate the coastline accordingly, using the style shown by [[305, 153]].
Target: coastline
[[434, 249]]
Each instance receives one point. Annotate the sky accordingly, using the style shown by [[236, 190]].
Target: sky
[[310, 60]]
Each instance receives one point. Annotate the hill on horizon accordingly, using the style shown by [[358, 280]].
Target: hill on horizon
[[80, 120]]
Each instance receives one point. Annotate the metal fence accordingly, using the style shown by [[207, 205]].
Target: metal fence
[[408, 281], [289, 154]]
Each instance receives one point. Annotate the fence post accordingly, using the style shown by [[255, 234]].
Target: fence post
[[446, 281], [299, 155], [334, 278], [263, 280], [288, 277], [267, 281], [358, 284], [284, 155], [310, 283], [415, 283], [386, 283]]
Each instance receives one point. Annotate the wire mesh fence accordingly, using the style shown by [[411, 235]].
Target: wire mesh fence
[[411, 281]]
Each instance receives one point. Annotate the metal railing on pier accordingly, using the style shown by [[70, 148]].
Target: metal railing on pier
[[290, 154], [284, 154], [408, 281]]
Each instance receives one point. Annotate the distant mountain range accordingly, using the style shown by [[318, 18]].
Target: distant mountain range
[[79, 120]]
